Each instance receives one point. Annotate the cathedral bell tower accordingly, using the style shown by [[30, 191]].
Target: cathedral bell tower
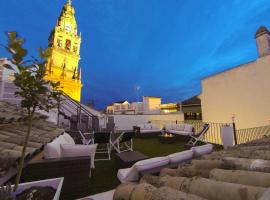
[[64, 42]]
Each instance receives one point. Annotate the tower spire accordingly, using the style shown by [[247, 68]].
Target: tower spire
[[69, 2]]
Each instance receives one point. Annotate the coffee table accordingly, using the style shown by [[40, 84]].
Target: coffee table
[[128, 158]]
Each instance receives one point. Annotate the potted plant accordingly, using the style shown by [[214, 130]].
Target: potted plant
[[36, 92]]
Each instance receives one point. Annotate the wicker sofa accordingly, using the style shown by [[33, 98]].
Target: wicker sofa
[[74, 165]]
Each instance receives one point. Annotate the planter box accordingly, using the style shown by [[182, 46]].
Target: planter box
[[56, 183]]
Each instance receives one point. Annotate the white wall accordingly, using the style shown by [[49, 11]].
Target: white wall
[[243, 91], [126, 122]]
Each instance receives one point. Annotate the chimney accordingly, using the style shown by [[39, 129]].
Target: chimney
[[263, 41]]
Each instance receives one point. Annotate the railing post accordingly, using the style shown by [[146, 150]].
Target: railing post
[[234, 130]]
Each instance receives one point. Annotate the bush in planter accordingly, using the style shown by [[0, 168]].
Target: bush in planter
[[35, 92]]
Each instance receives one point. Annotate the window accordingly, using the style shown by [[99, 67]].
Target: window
[[59, 43], [75, 49], [68, 44]]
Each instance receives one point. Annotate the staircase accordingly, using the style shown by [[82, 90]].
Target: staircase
[[78, 115]]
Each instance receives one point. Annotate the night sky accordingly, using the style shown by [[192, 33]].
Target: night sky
[[164, 46]]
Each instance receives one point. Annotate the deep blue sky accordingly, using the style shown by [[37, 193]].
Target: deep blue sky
[[164, 46]]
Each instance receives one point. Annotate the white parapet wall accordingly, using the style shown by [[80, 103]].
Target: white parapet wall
[[126, 122]]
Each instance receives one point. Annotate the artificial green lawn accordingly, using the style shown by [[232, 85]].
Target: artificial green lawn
[[104, 176]]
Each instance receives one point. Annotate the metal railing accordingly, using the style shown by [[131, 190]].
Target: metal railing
[[249, 134], [213, 135], [71, 108]]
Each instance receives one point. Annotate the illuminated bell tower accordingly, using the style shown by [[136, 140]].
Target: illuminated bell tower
[[64, 42]]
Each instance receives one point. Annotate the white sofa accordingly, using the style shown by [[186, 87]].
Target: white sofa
[[64, 147], [147, 128], [154, 165], [179, 129]]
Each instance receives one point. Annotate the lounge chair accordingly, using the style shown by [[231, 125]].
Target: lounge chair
[[86, 138], [103, 138], [122, 142], [198, 137]]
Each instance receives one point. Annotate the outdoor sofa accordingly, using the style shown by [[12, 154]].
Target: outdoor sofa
[[179, 129], [154, 165], [63, 158], [175, 159], [147, 129]]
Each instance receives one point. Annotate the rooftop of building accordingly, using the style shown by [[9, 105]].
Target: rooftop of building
[[13, 130], [192, 101], [240, 172]]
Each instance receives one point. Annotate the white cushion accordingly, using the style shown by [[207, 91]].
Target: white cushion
[[180, 127], [141, 126], [148, 126], [68, 138], [154, 126], [201, 150], [168, 126], [180, 156], [61, 140], [128, 175], [188, 128], [52, 149], [174, 126], [69, 150], [151, 163]]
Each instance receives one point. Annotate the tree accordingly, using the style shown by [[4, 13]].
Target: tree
[[36, 92]]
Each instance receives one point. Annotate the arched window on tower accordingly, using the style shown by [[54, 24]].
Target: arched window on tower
[[59, 43], [75, 49], [68, 44]]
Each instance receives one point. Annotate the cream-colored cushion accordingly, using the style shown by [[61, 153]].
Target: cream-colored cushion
[[154, 126], [128, 175], [174, 126], [141, 126], [180, 156], [148, 126], [180, 127], [69, 150], [52, 149], [201, 150], [68, 138], [188, 128], [151, 163], [168, 126]]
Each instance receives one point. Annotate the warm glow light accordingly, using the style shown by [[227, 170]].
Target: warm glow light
[[168, 135]]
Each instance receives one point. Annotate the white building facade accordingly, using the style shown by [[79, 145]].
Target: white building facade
[[242, 92]]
